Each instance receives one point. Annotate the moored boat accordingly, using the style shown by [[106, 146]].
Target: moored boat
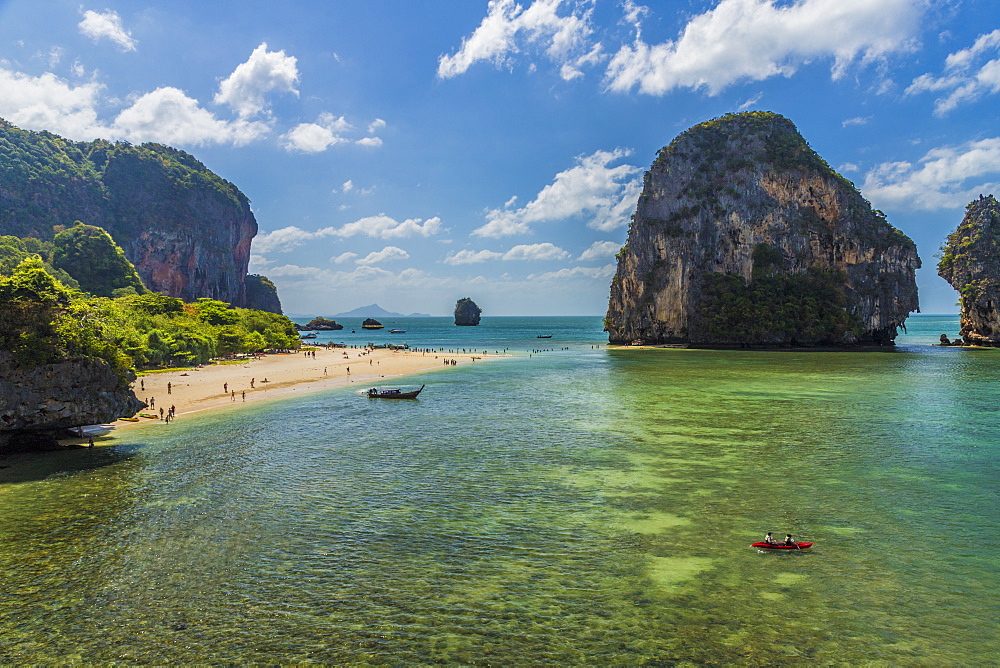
[[781, 546], [393, 393], [397, 331]]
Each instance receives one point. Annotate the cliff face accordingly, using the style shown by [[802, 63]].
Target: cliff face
[[744, 196], [970, 262], [186, 230], [58, 396]]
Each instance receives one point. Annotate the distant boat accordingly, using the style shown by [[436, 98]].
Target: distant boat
[[397, 331], [310, 335], [544, 336], [393, 393]]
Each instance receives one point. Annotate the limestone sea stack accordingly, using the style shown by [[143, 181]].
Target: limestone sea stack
[[467, 314], [743, 235], [970, 262]]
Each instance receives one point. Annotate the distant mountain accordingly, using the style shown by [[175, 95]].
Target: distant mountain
[[376, 311]]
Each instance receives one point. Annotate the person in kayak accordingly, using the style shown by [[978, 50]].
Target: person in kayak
[[768, 539], [788, 539]]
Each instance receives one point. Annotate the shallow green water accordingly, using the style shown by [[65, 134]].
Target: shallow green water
[[577, 506]]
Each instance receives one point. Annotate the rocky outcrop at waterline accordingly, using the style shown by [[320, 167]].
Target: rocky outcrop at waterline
[[467, 313], [970, 262], [743, 235], [38, 401]]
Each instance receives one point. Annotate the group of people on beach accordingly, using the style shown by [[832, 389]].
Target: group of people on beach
[[788, 540]]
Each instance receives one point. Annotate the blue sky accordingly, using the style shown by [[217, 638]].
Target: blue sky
[[413, 153]]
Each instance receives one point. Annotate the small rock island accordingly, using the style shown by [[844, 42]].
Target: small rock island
[[320, 324], [744, 236], [970, 262], [467, 314]]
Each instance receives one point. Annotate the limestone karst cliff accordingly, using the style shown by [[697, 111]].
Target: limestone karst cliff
[[467, 313], [970, 262], [743, 235], [186, 230]]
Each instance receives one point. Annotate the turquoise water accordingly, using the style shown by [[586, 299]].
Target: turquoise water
[[571, 506]]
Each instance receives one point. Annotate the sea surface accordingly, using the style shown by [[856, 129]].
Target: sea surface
[[568, 505]]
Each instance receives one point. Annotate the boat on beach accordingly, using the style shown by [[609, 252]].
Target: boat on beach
[[393, 393]]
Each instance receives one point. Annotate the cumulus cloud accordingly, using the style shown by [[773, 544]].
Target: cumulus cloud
[[106, 25], [509, 28], [387, 254], [318, 136], [369, 141], [343, 257], [379, 227], [963, 81], [945, 178], [600, 249], [48, 102], [594, 189], [543, 251], [754, 40], [264, 72], [603, 272], [168, 115]]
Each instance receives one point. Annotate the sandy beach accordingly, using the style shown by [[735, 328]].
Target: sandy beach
[[229, 385]]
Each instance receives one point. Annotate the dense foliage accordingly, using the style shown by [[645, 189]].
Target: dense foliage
[[43, 321], [14, 250], [776, 309], [262, 293], [91, 256], [49, 181]]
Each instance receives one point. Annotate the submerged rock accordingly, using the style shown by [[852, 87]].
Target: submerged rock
[[970, 262], [467, 314], [743, 235]]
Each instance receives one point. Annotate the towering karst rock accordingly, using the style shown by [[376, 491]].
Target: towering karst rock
[[467, 313], [970, 262], [186, 230], [743, 235]]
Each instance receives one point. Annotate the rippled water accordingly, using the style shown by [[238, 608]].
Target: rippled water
[[575, 506]]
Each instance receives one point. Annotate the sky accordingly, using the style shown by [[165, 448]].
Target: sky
[[412, 153]]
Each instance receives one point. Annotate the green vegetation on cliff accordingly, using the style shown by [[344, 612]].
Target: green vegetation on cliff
[[91, 256], [976, 242], [42, 321]]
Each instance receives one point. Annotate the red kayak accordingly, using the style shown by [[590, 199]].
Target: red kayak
[[782, 546]]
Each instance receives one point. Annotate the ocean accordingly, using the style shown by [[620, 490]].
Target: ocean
[[568, 505]]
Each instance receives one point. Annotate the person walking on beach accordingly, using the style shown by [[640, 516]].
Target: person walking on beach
[[225, 388], [233, 395], [244, 395], [168, 388]]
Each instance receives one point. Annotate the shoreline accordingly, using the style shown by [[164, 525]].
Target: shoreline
[[231, 385]]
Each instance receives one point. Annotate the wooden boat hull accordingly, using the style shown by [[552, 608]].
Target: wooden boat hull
[[376, 393]]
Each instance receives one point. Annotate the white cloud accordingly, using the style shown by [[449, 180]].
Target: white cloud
[[348, 186], [543, 251], [48, 102], [375, 126], [509, 28], [603, 272], [169, 116], [318, 136], [387, 254], [946, 178], [107, 25], [593, 188], [751, 101], [343, 257], [369, 141], [379, 227], [857, 120], [758, 39], [962, 83], [264, 72], [384, 227], [600, 249], [848, 167]]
